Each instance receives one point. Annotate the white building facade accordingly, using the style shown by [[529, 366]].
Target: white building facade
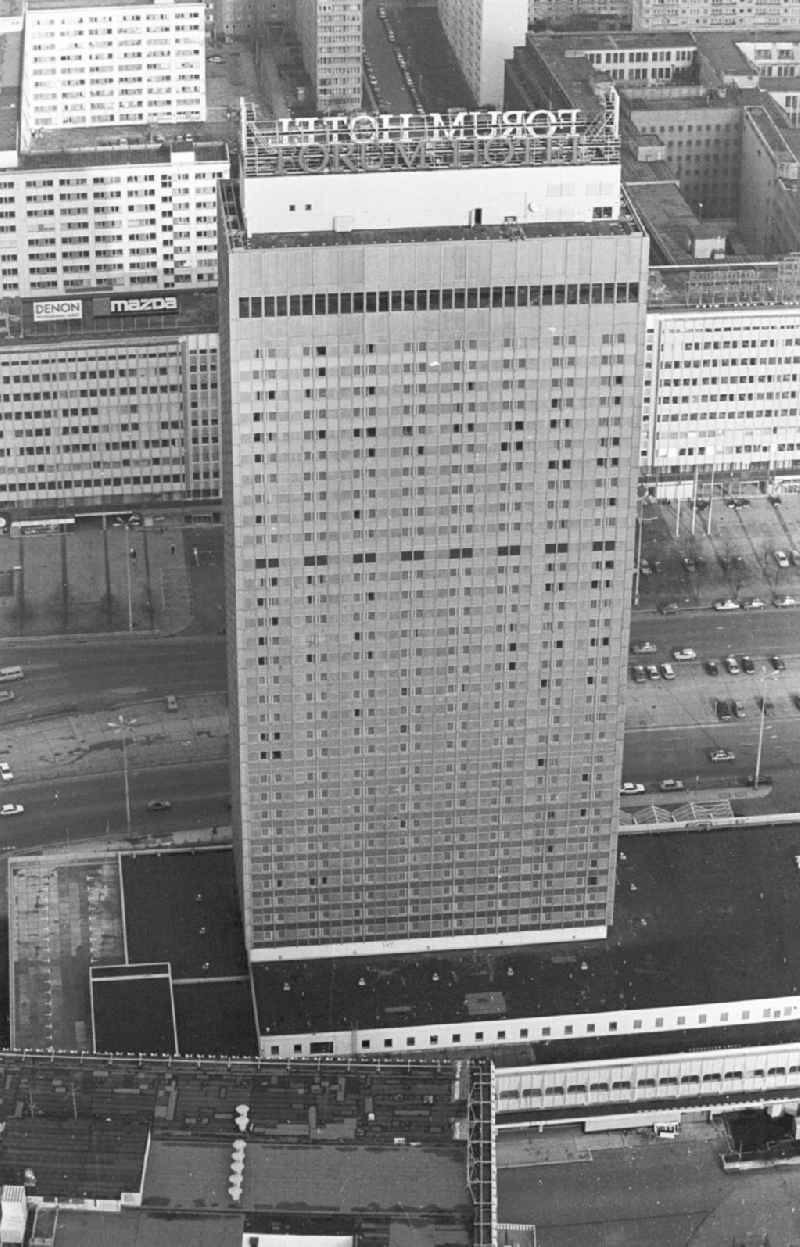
[[330, 33], [483, 35], [117, 219], [715, 14], [721, 380], [111, 64]]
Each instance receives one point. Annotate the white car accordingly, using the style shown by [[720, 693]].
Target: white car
[[6, 694], [752, 604], [784, 599], [726, 604], [7, 810], [731, 665], [683, 655], [6, 771], [781, 558], [722, 755], [631, 790], [672, 785], [667, 670]]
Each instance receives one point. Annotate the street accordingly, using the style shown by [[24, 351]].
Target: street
[[84, 808]]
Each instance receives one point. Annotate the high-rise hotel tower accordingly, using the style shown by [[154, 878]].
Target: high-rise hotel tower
[[431, 352]]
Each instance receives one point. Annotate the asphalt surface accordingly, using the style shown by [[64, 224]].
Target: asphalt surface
[[92, 806], [384, 62], [671, 726]]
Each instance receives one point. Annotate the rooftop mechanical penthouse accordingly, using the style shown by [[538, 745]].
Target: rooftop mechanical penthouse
[[431, 380]]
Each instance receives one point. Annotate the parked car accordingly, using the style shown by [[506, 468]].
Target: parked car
[[6, 771], [667, 670], [711, 667], [688, 565], [737, 502], [724, 711], [683, 655], [155, 806], [753, 604], [644, 647], [644, 568], [794, 555], [796, 700], [721, 755], [731, 665], [671, 785], [748, 666], [762, 779], [652, 672], [784, 599], [739, 710], [638, 674], [668, 608], [7, 810], [726, 604], [6, 694], [765, 705], [778, 663], [172, 702], [631, 790], [781, 558]]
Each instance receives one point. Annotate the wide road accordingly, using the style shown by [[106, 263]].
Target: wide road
[[716, 633], [87, 807], [103, 673]]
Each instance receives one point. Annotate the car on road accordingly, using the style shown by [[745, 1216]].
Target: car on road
[[721, 755], [668, 608], [172, 702], [711, 667], [638, 674], [724, 711], [156, 806], [784, 599], [765, 705], [778, 663], [781, 558], [671, 785], [631, 790], [644, 647], [6, 771], [750, 780], [667, 670], [7, 810], [652, 672], [737, 502], [748, 666], [6, 694], [683, 655], [726, 604], [731, 665], [644, 568], [753, 604], [10, 673], [739, 710]]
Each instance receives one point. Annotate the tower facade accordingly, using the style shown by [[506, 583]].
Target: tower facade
[[431, 371], [330, 37]]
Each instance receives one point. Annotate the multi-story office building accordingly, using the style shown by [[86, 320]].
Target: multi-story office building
[[720, 387], [108, 398], [330, 38], [431, 371], [558, 12], [483, 34], [714, 14], [115, 217], [109, 63]]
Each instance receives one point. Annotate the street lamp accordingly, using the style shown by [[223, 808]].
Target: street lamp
[[762, 717], [122, 725]]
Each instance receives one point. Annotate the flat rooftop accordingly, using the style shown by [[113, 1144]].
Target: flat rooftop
[[79, 148], [677, 938], [74, 1159], [755, 283], [197, 310], [147, 1227]]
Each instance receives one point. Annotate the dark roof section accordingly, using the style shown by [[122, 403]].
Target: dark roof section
[[677, 939], [133, 1013], [73, 1159], [121, 154]]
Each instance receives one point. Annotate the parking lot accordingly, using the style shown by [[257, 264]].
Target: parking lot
[[695, 557]]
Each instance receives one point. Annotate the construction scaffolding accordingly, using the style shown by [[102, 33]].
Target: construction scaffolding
[[481, 1170]]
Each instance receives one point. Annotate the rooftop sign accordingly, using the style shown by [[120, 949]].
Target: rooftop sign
[[367, 142]]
